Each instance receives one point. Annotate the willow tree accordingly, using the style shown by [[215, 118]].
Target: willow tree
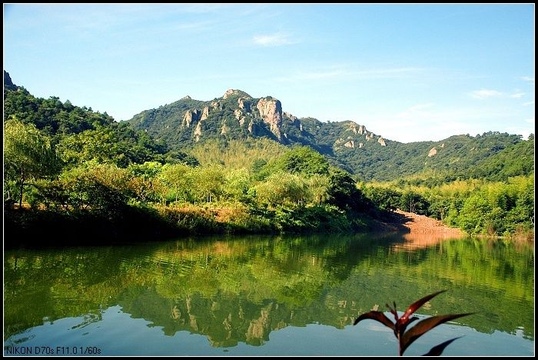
[[28, 156]]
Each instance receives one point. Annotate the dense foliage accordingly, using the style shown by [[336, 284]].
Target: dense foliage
[[81, 169], [346, 144]]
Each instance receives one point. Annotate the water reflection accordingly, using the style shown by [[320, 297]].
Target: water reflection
[[237, 291]]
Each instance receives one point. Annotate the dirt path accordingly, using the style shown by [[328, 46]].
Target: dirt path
[[420, 224], [420, 230]]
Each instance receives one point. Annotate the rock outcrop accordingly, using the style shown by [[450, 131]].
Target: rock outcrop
[[238, 115], [271, 113]]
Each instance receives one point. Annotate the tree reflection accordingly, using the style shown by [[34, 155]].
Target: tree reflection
[[238, 290]]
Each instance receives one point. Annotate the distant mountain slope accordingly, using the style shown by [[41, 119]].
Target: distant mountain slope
[[174, 130], [237, 115]]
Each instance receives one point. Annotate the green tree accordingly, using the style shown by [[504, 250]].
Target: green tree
[[343, 192], [207, 183], [101, 188], [28, 155], [385, 198], [413, 202], [283, 189], [237, 184], [473, 216], [114, 144], [177, 181], [318, 185], [145, 182], [303, 160]]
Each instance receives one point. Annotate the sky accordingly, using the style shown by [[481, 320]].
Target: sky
[[407, 72]]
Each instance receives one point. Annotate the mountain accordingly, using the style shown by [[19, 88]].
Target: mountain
[[175, 130], [8, 83], [236, 154], [237, 115]]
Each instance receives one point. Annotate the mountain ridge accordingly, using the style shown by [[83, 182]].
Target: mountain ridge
[[236, 115], [179, 127], [262, 116]]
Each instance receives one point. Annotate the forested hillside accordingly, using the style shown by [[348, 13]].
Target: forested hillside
[[77, 176], [367, 156]]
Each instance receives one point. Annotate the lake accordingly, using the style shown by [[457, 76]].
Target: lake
[[267, 296]]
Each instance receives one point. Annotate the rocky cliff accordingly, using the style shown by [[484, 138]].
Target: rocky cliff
[[238, 115]]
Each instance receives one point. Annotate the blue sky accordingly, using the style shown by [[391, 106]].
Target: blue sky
[[407, 72]]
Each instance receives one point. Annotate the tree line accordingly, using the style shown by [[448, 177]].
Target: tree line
[[79, 168]]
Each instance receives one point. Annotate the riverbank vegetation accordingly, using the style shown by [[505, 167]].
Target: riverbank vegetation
[[72, 175]]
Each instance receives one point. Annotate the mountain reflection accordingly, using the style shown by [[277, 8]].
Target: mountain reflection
[[239, 290]]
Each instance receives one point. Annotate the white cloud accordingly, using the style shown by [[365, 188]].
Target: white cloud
[[272, 40], [416, 109], [318, 75], [387, 72], [344, 72], [517, 95], [433, 122], [485, 93], [415, 115]]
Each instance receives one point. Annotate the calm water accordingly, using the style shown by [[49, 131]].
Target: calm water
[[266, 296]]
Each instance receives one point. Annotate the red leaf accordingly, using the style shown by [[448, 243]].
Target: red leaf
[[375, 315], [400, 328], [423, 326], [415, 306]]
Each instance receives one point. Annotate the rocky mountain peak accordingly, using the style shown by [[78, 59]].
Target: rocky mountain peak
[[271, 112], [237, 115], [8, 83], [235, 92]]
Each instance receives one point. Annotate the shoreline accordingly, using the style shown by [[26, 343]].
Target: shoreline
[[419, 230]]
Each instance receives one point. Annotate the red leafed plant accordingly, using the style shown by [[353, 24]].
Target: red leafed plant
[[399, 326]]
